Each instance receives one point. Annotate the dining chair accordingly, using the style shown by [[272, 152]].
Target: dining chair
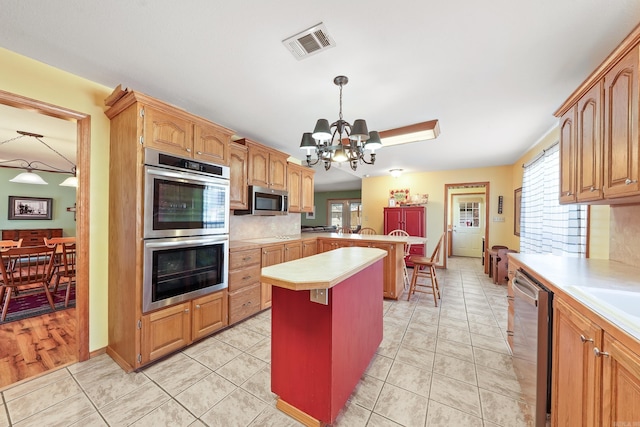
[[67, 269], [6, 244], [426, 267], [345, 230], [31, 266], [57, 243], [367, 230], [407, 253]]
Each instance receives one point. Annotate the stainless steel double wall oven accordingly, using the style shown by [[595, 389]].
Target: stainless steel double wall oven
[[186, 229]]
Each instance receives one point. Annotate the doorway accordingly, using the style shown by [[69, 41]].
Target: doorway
[[465, 217], [83, 139], [345, 213]]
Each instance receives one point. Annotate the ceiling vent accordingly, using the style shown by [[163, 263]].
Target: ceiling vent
[[309, 42]]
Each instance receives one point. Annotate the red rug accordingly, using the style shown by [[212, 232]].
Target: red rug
[[31, 303]]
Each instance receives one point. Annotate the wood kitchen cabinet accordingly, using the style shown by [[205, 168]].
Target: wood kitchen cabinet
[[599, 139], [170, 329], [300, 181], [292, 251], [266, 167], [271, 255], [244, 284], [596, 378], [393, 282], [174, 131], [238, 196], [309, 247]]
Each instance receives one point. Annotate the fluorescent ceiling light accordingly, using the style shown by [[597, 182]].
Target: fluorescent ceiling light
[[28, 178], [412, 133]]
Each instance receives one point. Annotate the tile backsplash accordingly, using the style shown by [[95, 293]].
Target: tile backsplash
[[254, 227], [624, 238]]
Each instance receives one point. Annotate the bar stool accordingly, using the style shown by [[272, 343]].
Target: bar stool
[[426, 267]]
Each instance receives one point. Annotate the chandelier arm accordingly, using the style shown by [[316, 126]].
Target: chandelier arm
[[34, 165], [54, 150], [12, 139]]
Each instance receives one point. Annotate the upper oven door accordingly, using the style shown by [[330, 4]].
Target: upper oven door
[[180, 204]]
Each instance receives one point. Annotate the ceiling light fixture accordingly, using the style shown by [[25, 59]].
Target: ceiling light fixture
[[412, 133], [395, 172], [29, 177], [340, 141]]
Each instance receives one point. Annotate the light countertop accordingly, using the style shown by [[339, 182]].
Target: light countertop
[[252, 243], [608, 288], [321, 271]]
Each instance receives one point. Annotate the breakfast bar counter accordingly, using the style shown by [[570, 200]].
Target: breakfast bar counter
[[326, 318]]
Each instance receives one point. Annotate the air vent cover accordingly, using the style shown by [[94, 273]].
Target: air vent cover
[[309, 42]]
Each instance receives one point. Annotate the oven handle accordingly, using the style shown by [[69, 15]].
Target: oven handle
[[526, 290], [186, 176], [163, 243]]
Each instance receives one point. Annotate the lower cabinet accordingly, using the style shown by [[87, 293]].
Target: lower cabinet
[[172, 328], [309, 247], [244, 302], [271, 255], [596, 378], [244, 284], [292, 251]]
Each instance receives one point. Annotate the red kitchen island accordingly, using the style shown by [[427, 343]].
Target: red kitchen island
[[326, 324]]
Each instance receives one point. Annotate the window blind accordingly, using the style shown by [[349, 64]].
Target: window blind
[[545, 225]]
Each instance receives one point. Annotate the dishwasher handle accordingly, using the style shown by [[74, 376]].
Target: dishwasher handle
[[526, 290]]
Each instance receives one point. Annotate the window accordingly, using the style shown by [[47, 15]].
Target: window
[[345, 213], [546, 226], [469, 214]]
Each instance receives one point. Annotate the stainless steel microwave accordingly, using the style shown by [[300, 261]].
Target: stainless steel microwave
[[266, 202]]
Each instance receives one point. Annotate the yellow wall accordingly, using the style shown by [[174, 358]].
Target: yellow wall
[[26, 77], [375, 196]]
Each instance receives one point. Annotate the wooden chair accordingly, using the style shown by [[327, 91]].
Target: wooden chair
[[31, 266], [367, 230], [6, 244], [58, 243], [345, 230], [66, 269], [426, 267], [407, 253]]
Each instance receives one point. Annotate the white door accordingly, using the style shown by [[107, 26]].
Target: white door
[[468, 225]]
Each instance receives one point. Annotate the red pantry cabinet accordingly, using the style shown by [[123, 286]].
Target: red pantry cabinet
[[412, 219]]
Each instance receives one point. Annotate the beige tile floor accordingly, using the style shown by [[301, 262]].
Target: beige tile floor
[[445, 366]]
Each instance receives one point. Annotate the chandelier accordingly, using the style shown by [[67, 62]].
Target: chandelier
[[341, 142], [29, 177]]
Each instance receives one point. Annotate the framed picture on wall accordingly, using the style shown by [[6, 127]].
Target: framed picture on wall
[[312, 214], [517, 200], [30, 207]]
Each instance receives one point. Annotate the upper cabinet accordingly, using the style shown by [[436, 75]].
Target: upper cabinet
[[599, 141], [266, 167], [300, 186], [238, 198]]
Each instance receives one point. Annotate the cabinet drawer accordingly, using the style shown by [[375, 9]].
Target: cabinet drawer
[[244, 303], [244, 258], [243, 277]]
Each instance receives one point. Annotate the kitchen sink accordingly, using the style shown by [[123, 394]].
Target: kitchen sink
[[623, 305]]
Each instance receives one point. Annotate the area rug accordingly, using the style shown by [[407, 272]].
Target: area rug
[[31, 303]]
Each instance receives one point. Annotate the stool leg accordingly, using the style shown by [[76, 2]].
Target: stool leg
[[414, 279]]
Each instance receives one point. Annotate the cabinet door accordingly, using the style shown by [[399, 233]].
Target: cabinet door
[[307, 190], [211, 144], [271, 255], [589, 145], [568, 156], [620, 384], [258, 166], [392, 219], [292, 251], [621, 128], [238, 182], [415, 221], [165, 331], [294, 180], [309, 247], [575, 370], [209, 314], [167, 132], [392, 278], [278, 171], [244, 303]]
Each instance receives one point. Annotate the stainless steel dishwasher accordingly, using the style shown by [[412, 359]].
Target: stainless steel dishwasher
[[532, 343]]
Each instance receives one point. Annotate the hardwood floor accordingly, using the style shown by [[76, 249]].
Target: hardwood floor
[[31, 347]]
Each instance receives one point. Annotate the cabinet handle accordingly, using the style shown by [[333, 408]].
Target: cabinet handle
[[246, 278], [630, 181], [510, 333], [592, 189], [599, 353], [197, 306], [585, 339], [186, 310], [199, 152], [246, 258], [569, 193], [188, 150]]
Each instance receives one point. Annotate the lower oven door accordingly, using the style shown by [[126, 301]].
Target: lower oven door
[[183, 268]]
